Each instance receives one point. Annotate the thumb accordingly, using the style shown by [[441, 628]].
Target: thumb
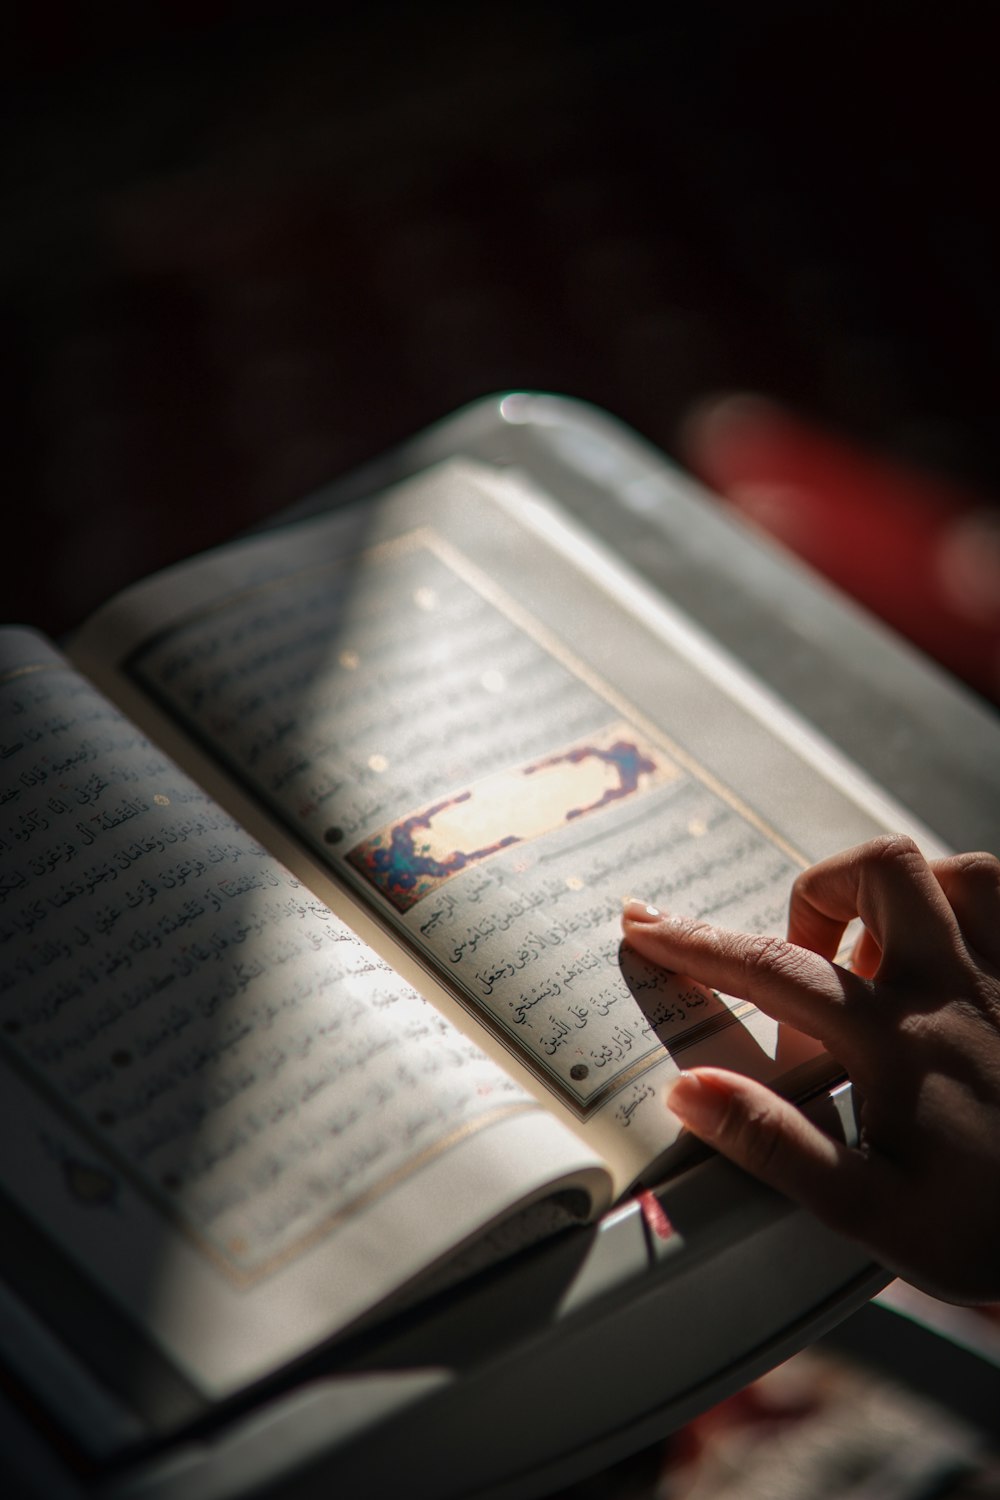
[[773, 1141]]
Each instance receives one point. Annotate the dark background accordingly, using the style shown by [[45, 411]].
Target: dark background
[[246, 247]]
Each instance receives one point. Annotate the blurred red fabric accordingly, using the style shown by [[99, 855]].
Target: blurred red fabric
[[921, 552]]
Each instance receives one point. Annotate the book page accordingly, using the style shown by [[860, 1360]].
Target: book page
[[216, 1097], [444, 752]]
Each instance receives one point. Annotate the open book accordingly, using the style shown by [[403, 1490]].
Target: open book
[[312, 857]]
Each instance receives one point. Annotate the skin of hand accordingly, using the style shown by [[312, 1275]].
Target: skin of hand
[[915, 1023]]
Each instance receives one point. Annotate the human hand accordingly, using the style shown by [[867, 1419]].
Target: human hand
[[915, 1022]]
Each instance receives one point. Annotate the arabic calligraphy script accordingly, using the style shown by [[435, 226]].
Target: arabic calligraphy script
[[248, 1063]]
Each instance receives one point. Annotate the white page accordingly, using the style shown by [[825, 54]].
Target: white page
[[217, 1098], [376, 686]]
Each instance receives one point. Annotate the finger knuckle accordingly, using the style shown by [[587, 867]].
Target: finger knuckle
[[763, 952], [979, 871], [764, 957], [893, 849]]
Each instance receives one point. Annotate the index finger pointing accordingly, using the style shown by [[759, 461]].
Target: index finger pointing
[[788, 982]]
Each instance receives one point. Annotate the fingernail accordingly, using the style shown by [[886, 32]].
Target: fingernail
[[639, 911], [697, 1103]]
